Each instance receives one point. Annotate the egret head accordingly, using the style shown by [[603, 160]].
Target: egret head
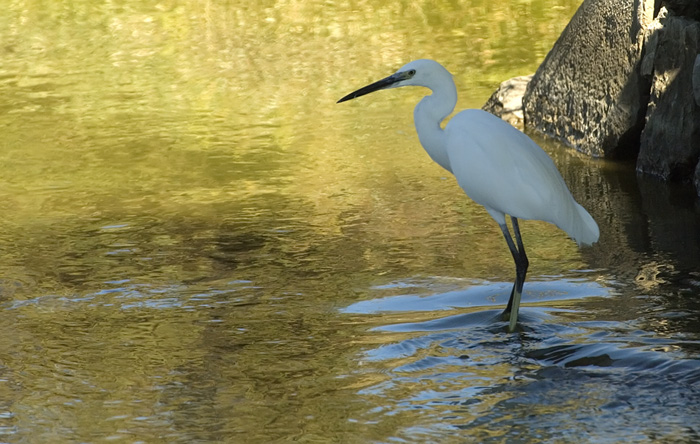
[[423, 72]]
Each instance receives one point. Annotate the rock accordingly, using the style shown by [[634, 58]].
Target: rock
[[696, 80], [589, 92], [687, 8], [507, 101], [670, 141], [651, 42]]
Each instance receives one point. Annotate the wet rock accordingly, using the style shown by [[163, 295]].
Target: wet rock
[[686, 8], [507, 101], [670, 141], [696, 80], [589, 92]]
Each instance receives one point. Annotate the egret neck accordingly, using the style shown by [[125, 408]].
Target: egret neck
[[428, 115]]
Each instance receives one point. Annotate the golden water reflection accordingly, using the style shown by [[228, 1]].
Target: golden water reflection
[[188, 217]]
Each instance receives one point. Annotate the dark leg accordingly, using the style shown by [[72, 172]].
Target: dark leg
[[521, 264]]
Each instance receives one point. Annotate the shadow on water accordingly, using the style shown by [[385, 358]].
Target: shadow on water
[[613, 355], [547, 381]]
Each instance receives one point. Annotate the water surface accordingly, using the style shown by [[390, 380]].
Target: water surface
[[199, 245]]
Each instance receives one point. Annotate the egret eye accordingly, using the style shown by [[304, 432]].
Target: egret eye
[[412, 72]]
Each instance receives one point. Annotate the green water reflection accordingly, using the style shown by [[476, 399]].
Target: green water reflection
[[189, 222]]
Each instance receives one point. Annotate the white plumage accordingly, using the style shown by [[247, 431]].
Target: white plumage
[[502, 169], [496, 165]]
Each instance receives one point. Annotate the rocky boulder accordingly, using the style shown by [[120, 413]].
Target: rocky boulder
[[670, 141], [507, 101], [588, 92]]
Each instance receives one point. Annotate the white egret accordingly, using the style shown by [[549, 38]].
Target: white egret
[[496, 165]]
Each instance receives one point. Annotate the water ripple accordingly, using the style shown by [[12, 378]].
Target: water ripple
[[548, 381]]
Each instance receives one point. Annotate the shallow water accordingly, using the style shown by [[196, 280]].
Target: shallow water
[[199, 245]]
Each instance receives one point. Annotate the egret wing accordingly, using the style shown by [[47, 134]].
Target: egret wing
[[504, 170]]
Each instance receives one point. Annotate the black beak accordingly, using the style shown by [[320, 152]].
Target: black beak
[[376, 86]]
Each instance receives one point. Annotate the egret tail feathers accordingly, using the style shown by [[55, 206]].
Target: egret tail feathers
[[581, 226]]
